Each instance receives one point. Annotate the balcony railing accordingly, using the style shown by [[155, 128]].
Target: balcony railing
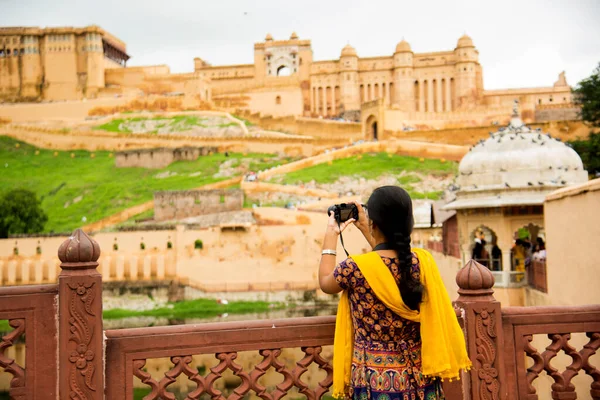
[[70, 356]]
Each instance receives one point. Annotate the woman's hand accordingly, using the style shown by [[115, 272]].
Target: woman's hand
[[334, 228], [363, 221]]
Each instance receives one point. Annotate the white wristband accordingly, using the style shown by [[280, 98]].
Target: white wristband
[[329, 252]]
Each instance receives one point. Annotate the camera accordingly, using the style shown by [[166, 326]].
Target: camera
[[343, 212]]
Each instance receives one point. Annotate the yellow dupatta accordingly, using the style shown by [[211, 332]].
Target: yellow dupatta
[[443, 350]]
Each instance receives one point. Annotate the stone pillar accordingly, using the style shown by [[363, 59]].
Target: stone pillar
[[438, 95], [80, 334], [430, 96], [333, 107], [147, 267], [365, 93], [160, 267], [317, 100], [324, 100], [422, 96], [25, 278], [483, 330], [312, 100], [372, 92], [39, 271], [380, 91], [133, 268], [448, 98], [120, 268], [388, 98]]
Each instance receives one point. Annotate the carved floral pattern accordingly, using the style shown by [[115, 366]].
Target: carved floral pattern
[[81, 328], [250, 381], [562, 387], [485, 342], [8, 364]]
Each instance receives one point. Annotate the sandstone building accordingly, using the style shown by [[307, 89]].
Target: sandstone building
[[415, 87], [57, 63], [69, 63], [388, 93]]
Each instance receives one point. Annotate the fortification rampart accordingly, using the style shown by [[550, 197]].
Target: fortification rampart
[[170, 205], [159, 158], [317, 128]]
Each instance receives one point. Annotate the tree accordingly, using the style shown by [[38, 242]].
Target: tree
[[589, 151], [587, 96], [21, 212]]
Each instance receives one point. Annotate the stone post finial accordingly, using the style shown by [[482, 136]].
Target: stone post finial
[[79, 251], [474, 280]]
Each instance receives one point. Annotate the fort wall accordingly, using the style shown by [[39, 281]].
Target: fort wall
[[159, 158], [169, 205]]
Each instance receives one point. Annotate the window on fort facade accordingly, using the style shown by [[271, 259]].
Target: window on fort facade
[[8, 52], [539, 101], [300, 62], [278, 100]]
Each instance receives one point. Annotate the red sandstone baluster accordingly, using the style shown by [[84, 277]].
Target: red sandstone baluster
[[80, 319], [483, 330]]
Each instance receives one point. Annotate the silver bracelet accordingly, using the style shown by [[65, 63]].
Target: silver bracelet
[[330, 252]]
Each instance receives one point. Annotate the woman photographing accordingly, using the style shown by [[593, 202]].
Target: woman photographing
[[396, 333]]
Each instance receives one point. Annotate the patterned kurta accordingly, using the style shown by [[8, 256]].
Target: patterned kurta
[[386, 364]]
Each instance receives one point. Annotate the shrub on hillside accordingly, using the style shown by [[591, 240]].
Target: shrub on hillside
[[21, 212]]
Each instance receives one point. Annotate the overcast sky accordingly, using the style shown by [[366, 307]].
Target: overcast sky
[[522, 43]]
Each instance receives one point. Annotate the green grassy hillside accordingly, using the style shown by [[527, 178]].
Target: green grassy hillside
[[410, 170], [89, 185]]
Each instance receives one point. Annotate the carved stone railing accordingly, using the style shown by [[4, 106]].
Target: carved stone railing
[[128, 349], [69, 356], [520, 324], [536, 276], [31, 312]]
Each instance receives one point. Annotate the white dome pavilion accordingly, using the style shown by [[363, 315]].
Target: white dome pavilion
[[515, 166]]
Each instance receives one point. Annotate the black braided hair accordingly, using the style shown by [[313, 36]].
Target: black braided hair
[[390, 209]]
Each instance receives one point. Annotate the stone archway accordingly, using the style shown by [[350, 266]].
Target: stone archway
[[525, 240], [490, 254], [372, 128]]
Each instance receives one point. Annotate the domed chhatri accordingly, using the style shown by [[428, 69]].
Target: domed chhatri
[[348, 51], [516, 166], [268, 38], [79, 251], [403, 47], [465, 41], [294, 36]]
